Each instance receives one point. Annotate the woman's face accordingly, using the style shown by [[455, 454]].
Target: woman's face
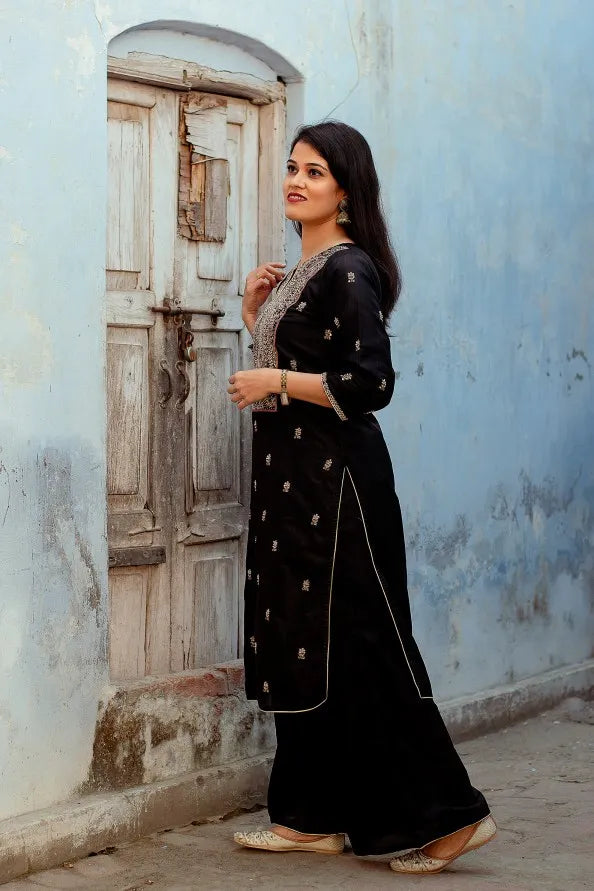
[[311, 193]]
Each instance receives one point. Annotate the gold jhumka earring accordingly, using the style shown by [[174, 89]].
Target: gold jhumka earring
[[343, 218]]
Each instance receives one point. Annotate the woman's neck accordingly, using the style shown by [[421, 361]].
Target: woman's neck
[[320, 236]]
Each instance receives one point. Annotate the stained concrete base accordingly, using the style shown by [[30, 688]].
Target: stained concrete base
[[46, 838], [536, 775]]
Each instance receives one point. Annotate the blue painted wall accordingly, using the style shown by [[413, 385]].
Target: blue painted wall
[[480, 116], [491, 429]]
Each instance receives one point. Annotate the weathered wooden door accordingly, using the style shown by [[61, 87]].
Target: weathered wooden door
[[184, 203]]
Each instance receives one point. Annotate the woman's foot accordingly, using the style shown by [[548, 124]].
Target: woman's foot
[[279, 838], [438, 854], [293, 835]]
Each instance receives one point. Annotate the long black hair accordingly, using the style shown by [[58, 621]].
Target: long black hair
[[349, 158]]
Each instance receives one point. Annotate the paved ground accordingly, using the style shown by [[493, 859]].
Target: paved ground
[[538, 779]]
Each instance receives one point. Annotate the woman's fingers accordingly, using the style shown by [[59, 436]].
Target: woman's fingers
[[276, 270]]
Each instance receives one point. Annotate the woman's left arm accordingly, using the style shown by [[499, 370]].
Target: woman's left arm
[[255, 384], [361, 378]]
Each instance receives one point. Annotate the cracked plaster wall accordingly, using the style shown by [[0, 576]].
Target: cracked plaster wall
[[480, 118], [491, 428]]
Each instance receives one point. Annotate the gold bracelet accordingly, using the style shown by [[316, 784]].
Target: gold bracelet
[[284, 396]]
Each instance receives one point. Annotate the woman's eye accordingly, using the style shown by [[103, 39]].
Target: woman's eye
[[315, 172], [290, 168]]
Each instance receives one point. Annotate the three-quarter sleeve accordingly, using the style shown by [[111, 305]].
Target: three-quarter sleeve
[[361, 378]]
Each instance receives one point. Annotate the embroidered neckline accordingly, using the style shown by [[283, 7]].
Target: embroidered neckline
[[281, 298]]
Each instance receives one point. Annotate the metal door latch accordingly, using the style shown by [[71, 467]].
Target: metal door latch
[[169, 309]]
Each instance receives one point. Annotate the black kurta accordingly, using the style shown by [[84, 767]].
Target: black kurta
[[328, 628]]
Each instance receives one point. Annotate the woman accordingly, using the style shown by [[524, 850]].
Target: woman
[[361, 747]]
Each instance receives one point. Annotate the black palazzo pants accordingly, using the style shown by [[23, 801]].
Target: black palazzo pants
[[375, 760]]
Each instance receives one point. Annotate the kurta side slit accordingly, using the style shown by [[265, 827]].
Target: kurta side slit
[[362, 748]]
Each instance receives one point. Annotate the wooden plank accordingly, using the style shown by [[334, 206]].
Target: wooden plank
[[128, 594], [131, 308], [163, 178], [131, 93], [123, 111], [218, 262], [129, 255], [206, 124], [215, 428], [248, 196], [213, 581], [127, 419], [217, 194], [142, 203], [128, 210], [136, 556], [271, 220], [183, 75], [119, 280]]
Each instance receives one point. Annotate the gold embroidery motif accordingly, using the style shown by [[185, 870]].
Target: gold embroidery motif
[[253, 644], [357, 344], [265, 687], [327, 464], [286, 486], [268, 460], [263, 515], [306, 585], [346, 377], [249, 574], [383, 384], [267, 615], [315, 519], [337, 321], [301, 306], [350, 277], [328, 334], [293, 364], [297, 434], [255, 485], [301, 653], [275, 545]]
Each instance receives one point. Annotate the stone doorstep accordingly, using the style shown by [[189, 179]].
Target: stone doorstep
[[159, 728], [47, 838], [224, 679]]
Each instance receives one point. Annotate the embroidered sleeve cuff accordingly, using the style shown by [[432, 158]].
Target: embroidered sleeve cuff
[[331, 398]]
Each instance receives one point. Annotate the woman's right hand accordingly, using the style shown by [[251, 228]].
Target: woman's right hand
[[258, 285]]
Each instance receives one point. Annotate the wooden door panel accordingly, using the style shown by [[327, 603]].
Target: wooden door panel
[[128, 594], [128, 204], [211, 601], [127, 418], [215, 469]]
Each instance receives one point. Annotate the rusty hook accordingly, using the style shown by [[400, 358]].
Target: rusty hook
[[164, 399], [181, 367]]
